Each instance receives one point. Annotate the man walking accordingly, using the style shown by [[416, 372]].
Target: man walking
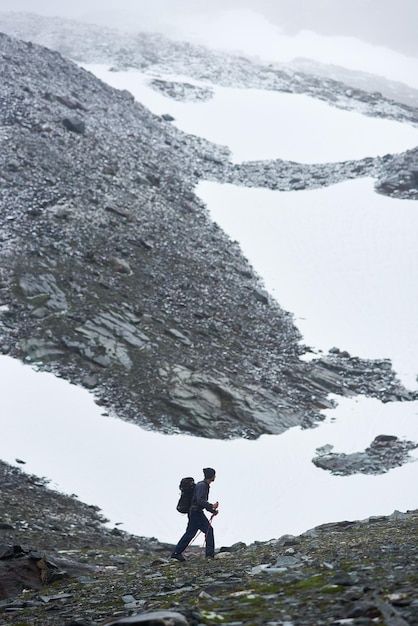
[[197, 519]]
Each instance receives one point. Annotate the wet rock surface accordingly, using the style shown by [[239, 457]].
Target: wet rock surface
[[350, 572], [113, 276]]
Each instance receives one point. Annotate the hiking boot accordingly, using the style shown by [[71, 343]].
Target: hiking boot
[[210, 556], [179, 557]]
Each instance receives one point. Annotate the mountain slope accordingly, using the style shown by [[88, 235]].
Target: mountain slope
[[113, 276], [157, 55]]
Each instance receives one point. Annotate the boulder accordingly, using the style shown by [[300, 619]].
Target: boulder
[[153, 618], [74, 124]]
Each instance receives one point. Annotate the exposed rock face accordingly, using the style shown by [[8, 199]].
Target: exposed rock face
[[384, 453], [112, 273], [28, 569]]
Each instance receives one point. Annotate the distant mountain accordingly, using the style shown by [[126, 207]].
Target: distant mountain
[[113, 276], [393, 90]]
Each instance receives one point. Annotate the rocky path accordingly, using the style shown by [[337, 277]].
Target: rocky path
[[360, 573]]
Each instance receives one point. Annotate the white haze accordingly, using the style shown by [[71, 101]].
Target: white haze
[[375, 36], [379, 22], [250, 32]]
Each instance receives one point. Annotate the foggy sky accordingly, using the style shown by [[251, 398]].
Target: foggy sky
[[383, 22]]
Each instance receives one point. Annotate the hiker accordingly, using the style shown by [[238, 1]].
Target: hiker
[[197, 519]]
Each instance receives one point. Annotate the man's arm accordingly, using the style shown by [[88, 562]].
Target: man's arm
[[201, 494]]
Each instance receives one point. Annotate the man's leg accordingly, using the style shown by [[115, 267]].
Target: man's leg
[[210, 542], [206, 528], [192, 528]]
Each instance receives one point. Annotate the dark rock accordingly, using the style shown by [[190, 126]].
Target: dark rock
[[345, 579], [90, 382], [165, 618], [236, 547], [119, 211], [75, 125], [70, 103], [153, 179], [361, 609], [261, 295], [183, 92]]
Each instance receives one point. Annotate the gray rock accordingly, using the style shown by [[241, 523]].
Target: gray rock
[[165, 618], [384, 453], [173, 332], [206, 402], [287, 561], [120, 265], [345, 579], [37, 348], [35, 286]]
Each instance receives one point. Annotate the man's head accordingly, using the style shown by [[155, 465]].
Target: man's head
[[209, 474]]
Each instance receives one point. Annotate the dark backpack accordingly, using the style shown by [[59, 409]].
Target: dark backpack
[[186, 487]]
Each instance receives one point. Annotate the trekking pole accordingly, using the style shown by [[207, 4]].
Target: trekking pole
[[190, 543], [206, 535]]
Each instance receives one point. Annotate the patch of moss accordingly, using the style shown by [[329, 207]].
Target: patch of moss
[[332, 589], [314, 582]]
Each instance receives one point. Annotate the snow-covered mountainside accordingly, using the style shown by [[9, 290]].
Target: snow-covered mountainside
[[396, 174], [112, 274], [392, 89]]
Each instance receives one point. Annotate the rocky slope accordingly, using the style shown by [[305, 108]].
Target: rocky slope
[[114, 277], [60, 567]]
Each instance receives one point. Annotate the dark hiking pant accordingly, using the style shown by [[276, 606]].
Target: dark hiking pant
[[197, 521]]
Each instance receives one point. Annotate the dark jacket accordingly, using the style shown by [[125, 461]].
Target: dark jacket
[[200, 498]]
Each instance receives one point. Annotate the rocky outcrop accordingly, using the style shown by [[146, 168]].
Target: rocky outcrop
[[28, 569], [384, 453], [183, 92], [204, 402]]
